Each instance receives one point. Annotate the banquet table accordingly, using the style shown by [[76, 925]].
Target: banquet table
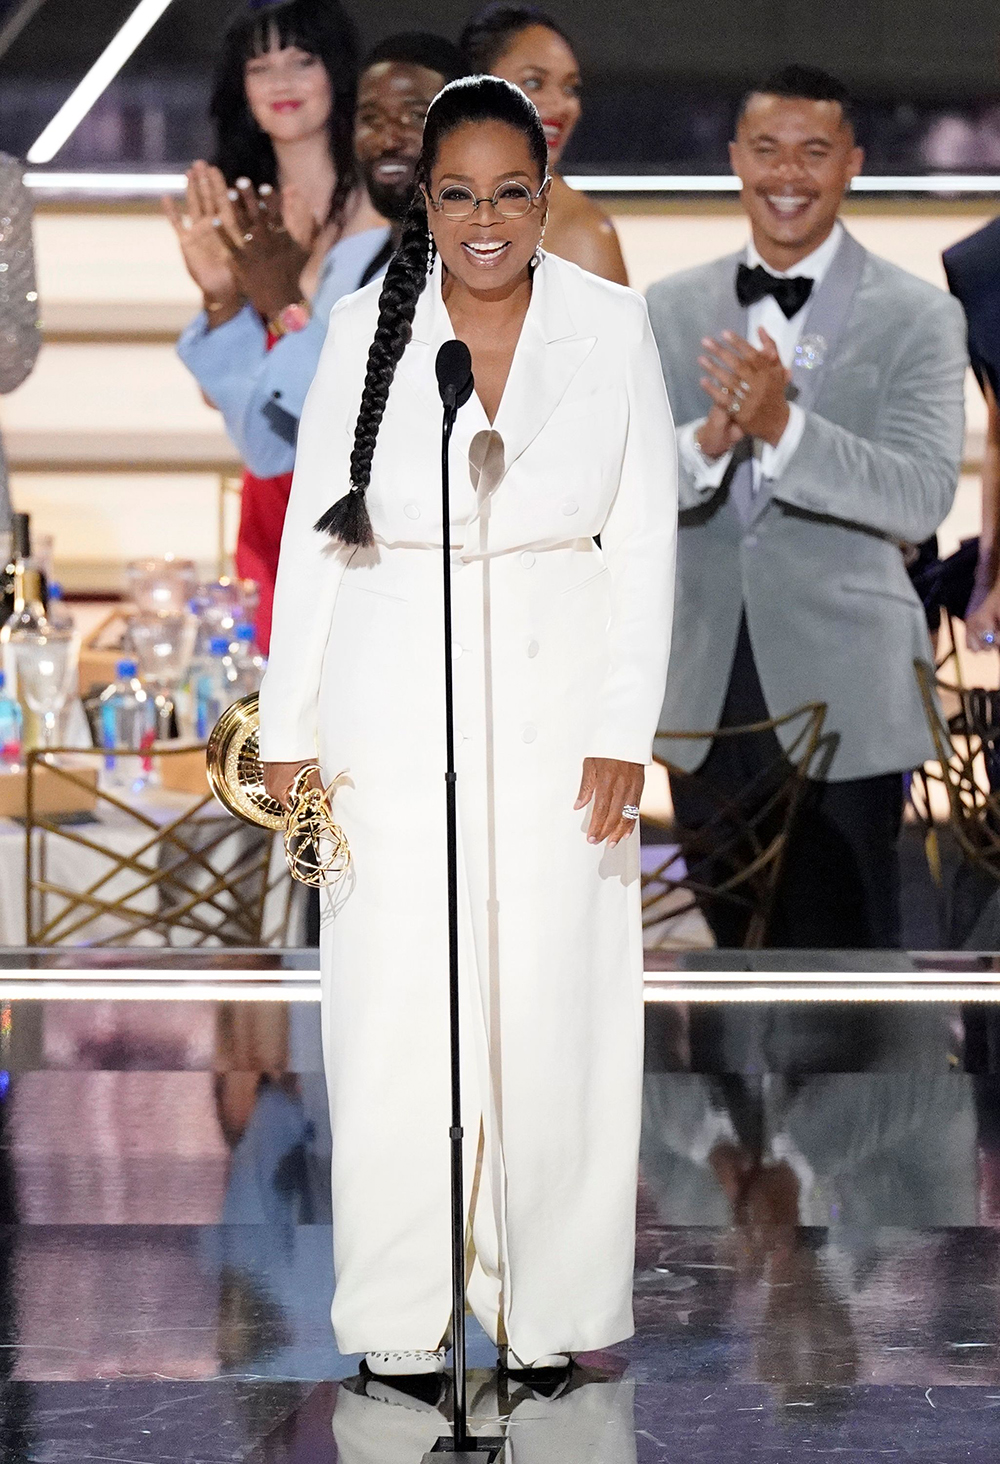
[[78, 867]]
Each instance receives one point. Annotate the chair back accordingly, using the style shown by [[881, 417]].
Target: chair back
[[964, 724], [734, 858]]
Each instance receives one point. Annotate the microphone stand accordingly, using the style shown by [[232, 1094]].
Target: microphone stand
[[462, 1445]]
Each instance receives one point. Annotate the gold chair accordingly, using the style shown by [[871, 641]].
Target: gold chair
[[172, 870], [964, 724], [734, 858]]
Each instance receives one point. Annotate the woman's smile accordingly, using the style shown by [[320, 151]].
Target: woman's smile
[[485, 253]]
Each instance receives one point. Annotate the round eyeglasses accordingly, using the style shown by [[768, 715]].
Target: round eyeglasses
[[510, 200]]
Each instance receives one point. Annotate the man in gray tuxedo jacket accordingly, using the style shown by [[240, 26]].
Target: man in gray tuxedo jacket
[[820, 392]]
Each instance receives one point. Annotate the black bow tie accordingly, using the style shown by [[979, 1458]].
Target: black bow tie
[[753, 284]]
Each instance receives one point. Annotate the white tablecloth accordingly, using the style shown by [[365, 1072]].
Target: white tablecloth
[[70, 865]]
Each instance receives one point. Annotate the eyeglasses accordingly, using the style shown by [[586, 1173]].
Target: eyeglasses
[[510, 200]]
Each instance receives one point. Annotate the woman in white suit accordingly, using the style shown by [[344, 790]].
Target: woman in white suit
[[560, 653]]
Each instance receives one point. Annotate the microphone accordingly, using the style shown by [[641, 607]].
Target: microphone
[[454, 374]]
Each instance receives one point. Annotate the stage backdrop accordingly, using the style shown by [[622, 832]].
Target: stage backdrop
[[661, 79]]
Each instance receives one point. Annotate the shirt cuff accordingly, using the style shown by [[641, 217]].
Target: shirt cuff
[[209, 354], [774, 460], [704, 472]]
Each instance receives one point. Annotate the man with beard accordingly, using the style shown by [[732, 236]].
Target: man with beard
[[261, 392]]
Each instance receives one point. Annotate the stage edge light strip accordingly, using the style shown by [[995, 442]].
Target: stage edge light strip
[[106, 182], [932, 184], [97, 79], [275, 975], [722, 183], [37, 989]]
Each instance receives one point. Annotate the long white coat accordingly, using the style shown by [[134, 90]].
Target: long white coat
[[560, 652]]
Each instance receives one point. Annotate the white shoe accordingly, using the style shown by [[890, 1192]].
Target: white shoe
[[405, 1364], [551, 1362]]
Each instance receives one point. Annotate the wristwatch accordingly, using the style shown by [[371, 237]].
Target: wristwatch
[[293, 318]]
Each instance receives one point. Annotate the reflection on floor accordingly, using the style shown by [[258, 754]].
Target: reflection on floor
[[818, 1265]]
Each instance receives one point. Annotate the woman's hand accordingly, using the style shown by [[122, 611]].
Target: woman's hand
[[982, 624], [279, 777], [613, 785], [206, 256]]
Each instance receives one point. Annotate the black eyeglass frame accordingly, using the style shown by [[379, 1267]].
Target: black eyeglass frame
[[533, 198]]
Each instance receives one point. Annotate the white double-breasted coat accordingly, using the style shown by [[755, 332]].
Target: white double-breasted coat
[[559, 652]]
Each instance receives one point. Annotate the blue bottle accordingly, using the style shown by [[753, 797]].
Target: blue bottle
[[11, 727], [128, 720]]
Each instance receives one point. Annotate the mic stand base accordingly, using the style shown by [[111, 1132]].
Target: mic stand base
[[473, 1451]]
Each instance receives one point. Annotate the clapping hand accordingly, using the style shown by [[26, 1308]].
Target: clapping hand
[[747, 387], [267, 258], [208, 261]]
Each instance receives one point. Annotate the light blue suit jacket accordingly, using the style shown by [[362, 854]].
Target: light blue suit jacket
[[260, 393]]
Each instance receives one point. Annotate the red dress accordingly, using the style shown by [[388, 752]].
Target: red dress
[[262, 518]]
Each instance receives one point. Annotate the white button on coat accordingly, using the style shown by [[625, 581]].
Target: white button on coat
[[529, 733], [570, 507], [532, 649], [527, 559], [411, 510]]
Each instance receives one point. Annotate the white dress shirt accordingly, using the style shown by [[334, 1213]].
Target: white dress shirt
[[769, 462]]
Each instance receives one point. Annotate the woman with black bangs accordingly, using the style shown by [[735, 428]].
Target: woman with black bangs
[[277, 217], [560, 650]]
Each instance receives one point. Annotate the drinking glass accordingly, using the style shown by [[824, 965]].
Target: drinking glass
[[45, 667], [162, 645], [161, 586], [223, 605]]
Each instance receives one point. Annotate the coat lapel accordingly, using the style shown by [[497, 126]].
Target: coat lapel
[[729, 313], [825, 319], [549, 353]]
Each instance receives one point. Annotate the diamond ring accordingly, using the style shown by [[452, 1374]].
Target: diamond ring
[[630, 811]]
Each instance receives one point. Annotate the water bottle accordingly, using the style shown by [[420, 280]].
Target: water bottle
[[247, 662], [128, 719], [11, 728], [57, 614], [214, 679]]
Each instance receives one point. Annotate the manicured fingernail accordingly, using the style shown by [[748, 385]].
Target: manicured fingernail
[[243, 182], [232, 195], [591, 839], [265, 190]]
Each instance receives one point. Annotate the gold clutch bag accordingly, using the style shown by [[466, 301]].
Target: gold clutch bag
[[316, 849]]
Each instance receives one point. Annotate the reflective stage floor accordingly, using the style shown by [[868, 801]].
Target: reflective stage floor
[[818, 1268]]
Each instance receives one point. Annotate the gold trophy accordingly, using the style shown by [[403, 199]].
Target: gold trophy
[[316, 849]]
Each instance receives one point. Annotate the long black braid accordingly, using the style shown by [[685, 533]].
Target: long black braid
[[404, 281], [472, 99]]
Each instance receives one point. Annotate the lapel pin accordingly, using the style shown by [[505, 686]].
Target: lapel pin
[[810, 353]]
